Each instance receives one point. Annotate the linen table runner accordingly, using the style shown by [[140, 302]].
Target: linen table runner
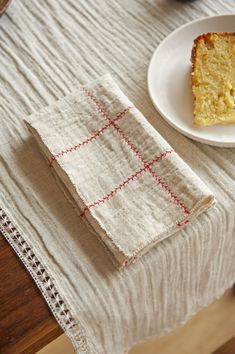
[[122, 176]]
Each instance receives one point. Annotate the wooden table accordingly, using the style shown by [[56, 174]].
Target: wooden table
[[227, 348], [26, 323]]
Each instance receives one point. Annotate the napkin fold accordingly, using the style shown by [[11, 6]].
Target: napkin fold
[[122, 177]]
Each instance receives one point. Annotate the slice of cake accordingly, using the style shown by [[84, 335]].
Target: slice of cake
[[213, 79]]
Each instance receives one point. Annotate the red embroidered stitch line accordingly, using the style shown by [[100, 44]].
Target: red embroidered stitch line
[[99, 106], [160, 181], [182, 223], [164, 185], [126, 181], [104, 113], [91, 138]]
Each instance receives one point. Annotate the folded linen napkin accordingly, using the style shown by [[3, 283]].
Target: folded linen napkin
[[121, 175]]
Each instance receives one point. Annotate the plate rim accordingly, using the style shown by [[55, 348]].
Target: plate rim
[[175, 126]]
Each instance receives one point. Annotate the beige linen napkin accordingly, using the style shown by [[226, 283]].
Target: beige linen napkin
[[120, 174]]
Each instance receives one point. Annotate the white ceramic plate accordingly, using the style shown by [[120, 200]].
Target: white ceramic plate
[[169, 80]]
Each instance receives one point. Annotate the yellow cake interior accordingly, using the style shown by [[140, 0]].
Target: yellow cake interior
[[213, 79]]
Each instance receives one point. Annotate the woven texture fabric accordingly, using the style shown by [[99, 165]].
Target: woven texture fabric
[[125, 180], [46, 52]]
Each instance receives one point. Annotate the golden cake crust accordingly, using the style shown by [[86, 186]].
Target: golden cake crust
[[206, 39]]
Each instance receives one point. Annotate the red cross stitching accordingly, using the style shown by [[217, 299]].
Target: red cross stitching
[[91, 138], [147, 166], [133, 176]]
